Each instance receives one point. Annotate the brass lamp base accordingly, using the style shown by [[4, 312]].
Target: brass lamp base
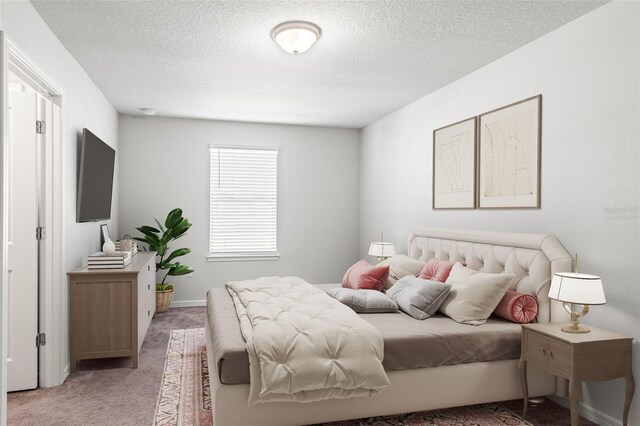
[[575, 328]]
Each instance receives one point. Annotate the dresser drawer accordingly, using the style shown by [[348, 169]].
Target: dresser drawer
[[552, 355]]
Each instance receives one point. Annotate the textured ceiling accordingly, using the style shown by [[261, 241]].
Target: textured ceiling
[[216, 60]]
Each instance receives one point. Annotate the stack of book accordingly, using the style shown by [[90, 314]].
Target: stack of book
[[118, 260]]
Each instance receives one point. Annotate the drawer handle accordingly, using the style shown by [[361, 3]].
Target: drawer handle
[[546, 352], [148, 267], [148, 313], [148, 286]]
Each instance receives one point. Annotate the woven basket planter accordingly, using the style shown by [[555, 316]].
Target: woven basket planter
[[163, 300]]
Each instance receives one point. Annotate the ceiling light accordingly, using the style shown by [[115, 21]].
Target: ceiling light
[[148, 111], [296, 37]]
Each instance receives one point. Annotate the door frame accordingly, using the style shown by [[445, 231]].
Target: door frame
[[51, 369], [4, 338]]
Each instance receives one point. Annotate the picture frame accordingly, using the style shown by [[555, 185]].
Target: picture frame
[[104, 234], [454, 165], [509, 155]]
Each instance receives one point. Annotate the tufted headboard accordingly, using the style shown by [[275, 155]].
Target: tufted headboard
[[533, 258]]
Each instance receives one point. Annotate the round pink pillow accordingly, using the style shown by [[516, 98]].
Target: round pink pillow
[[517, 307]]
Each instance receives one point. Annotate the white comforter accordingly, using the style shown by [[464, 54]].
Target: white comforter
[[304, 345]]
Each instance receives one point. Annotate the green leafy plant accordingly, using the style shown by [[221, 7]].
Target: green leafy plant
[[175, 226]]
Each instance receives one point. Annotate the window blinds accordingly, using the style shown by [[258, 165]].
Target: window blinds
[[243, 201]]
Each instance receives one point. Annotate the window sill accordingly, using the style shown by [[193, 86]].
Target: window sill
[[243, 258]]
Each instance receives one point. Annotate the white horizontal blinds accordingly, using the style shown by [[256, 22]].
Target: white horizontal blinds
[[243, 201]]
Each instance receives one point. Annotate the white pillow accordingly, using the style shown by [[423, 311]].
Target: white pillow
[[459, 273], [473, 295], [400, 266]]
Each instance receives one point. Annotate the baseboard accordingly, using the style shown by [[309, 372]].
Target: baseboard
[[65, 374], [188, 303], [588, 412]]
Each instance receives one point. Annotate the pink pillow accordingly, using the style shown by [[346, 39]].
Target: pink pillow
[[517, 307], [436, 270], [365, 276]]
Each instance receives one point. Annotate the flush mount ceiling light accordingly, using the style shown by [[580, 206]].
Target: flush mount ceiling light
[[148, 111], [296, 37]]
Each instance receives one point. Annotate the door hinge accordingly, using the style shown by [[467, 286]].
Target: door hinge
[[41, 339], [40, 233], [41, 127]]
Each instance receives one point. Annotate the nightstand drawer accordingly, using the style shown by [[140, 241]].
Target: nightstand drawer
[[553, 355]]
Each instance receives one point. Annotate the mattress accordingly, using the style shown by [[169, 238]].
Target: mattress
[[408, 343]]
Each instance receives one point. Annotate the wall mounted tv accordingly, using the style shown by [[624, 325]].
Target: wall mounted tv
[[95, 180]]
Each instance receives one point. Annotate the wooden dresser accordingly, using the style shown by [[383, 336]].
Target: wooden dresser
[[110, 310]]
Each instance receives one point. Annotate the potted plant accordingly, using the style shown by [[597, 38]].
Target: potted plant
[[175, 226]]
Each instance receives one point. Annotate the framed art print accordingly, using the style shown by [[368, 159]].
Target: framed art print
[[509, 166], [454, 166]]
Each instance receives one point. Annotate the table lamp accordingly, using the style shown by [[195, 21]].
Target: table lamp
[[573, 288], [382, 250]]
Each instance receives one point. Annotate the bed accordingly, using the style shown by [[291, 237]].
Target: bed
[[421, 379]]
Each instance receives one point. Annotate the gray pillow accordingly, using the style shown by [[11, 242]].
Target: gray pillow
[[418, 297], [401, 266], [363, 301]]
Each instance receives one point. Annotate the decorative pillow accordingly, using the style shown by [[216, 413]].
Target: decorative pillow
[[517, 307], [436, 270], [363, 275], [474, 295], [401, 266], [364, 301], [417, 297], [459, 273]]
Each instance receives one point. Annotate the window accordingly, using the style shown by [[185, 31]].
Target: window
[[243, 203]]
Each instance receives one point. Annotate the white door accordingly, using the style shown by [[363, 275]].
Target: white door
[[22, 352]]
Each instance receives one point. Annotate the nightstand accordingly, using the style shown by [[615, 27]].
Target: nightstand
[[595, 356]]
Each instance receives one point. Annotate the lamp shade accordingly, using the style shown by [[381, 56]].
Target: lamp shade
[[382, 249], [581, 289]]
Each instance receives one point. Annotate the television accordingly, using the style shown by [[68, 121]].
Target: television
[[95, 179]]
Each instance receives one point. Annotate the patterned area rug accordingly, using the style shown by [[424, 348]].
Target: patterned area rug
[[185, 398], [472, 415]]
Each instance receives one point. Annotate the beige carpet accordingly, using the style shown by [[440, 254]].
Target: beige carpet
[[107, 392]]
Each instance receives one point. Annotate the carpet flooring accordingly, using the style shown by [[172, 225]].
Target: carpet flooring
[[106, 392], [109, 392]]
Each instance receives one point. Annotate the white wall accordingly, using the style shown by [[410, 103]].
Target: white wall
[[589, 75], [164, 163], [83, 105]]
